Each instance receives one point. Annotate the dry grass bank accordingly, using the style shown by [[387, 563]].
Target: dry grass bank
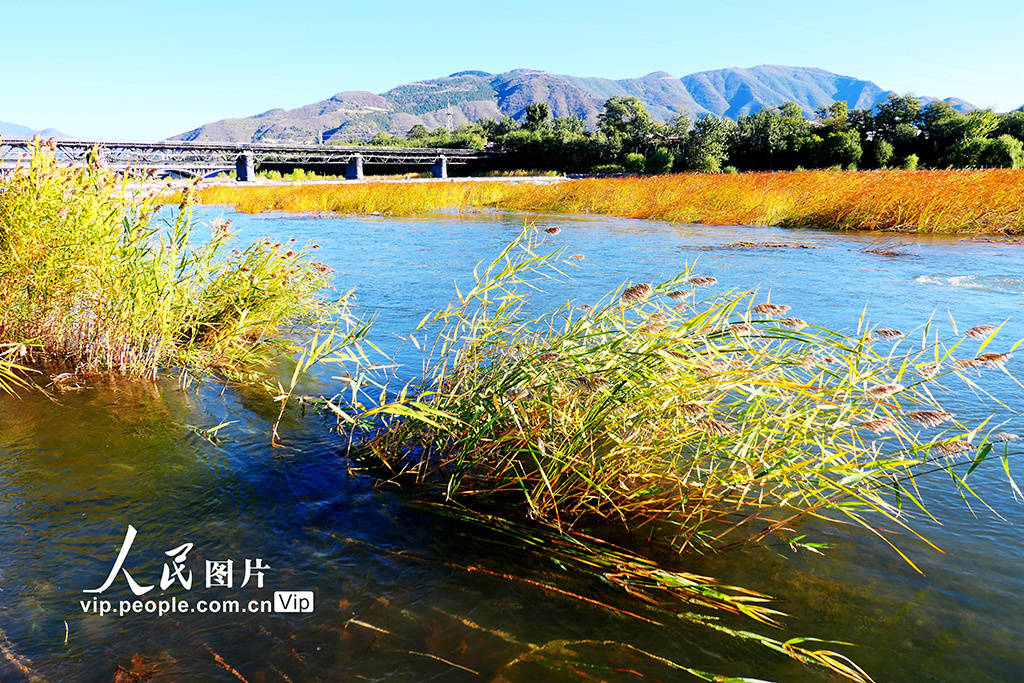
[[915, 201]]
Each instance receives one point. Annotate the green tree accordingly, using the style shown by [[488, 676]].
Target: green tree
[[659, 161], [571, 125], [678, 126], [707, 144], [939, 119], [1005, 151], [967, 152], [974, 131], [676, 131], [634, 163], [898, 110], [863, 121], [417, 131], [537, 115], [758, 139], [1012, 124], [841, 148], [883, 153], [494, 130], [628, 119], [897, 120], [835, 118], [942, 127], [384, 140], [796, 130], [904, 135]]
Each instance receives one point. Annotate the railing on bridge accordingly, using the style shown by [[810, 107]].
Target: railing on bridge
[[205, 158]]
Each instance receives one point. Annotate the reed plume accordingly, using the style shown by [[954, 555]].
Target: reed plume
[[793, 323], [881, 391], [980, 331], [636, 293], [993, 359], [518, 393], [954, 447], [880, 424], [888, 333], [929, 418], [771, 310], [716, 427]]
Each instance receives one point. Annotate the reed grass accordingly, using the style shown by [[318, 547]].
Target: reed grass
[[704, 424], [92, 281], [720, 420], [951, 201]]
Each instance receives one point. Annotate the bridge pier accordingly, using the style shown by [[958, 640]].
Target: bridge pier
[[439, 169], [245, 167], [354, 167]]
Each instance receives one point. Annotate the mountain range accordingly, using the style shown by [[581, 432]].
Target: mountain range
[[15, 131], [469, 96]]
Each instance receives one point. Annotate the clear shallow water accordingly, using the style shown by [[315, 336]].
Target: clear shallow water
[[72, 476]]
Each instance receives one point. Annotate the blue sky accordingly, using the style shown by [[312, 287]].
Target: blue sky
[[147, 70]]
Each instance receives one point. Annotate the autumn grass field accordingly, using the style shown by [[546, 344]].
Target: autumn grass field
[[951, 201]]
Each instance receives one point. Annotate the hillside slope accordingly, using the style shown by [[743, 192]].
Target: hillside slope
[[469, 96], [16, 131]]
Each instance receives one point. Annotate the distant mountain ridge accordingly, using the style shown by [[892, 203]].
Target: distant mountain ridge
[[472, 95], [16, 131]]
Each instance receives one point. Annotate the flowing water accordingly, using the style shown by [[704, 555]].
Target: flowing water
[[404, 594]]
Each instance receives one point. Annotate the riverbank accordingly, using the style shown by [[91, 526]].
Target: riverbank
[[977, 201]]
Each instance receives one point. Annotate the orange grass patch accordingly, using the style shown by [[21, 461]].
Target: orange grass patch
[[913, 201]]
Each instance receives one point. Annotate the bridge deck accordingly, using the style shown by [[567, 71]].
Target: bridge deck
[[215, 156]]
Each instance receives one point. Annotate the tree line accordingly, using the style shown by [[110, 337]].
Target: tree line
[[901, 132]]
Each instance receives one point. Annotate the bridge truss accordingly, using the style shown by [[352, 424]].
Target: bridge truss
[[203, 158]]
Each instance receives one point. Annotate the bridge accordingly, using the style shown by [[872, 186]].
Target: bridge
[[201, 159]]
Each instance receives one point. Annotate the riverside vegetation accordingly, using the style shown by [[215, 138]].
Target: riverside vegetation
[[903, 132], [975, 181], [989, 200], [702, 424], [94, 283]]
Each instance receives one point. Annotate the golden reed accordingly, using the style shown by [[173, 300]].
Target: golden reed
[[916, 201]]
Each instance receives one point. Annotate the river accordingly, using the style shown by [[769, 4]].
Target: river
[[393, 597]]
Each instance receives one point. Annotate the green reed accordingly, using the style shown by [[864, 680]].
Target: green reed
[[94, 281], [704, 423]]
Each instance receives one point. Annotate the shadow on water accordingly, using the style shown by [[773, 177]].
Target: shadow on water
[[394, 597]]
